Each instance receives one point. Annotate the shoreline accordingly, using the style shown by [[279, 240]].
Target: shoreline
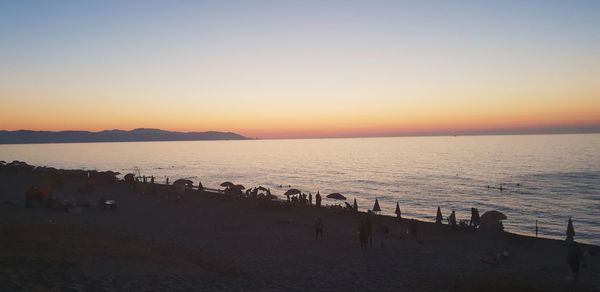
[[209, 240], [420, 217]]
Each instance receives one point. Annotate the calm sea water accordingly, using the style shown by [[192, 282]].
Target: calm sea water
[[544, 177]]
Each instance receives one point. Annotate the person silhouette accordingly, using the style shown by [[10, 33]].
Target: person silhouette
[[319, 228], [318, 199]]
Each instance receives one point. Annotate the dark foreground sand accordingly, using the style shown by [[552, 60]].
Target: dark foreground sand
[[211, 242]]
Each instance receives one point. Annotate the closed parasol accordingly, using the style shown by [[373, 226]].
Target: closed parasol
[[336, 196], [438, 216], [376, 207], [570, 230]]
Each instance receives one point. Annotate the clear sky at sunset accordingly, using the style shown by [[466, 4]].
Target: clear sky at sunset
[[275, 69]]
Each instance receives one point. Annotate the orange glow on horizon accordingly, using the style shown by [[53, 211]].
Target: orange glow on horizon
[[315, 126]]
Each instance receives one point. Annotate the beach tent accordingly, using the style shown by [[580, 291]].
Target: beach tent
[[491, 221], [355, 205], [336, 196], [398, 212], [261, 188], [438, 216], [376, 207], [570, 230]]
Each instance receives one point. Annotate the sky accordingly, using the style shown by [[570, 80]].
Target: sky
[[301, 69]]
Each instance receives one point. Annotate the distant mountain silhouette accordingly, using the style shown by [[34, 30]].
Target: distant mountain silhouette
[[29, 137]]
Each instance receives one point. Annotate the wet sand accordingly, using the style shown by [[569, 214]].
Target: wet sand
[[211, 241]]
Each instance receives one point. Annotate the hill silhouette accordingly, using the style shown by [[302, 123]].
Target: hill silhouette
[[135, 135]]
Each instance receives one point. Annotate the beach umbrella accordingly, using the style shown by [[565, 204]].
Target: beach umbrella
[[292, 192], [261, 188], [438, 216], [239, 187], [227, 184], [398, 212], [336, 196], [570, 230], [376, 207], [355, 205]]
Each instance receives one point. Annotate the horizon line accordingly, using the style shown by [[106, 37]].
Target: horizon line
[[591, 132]]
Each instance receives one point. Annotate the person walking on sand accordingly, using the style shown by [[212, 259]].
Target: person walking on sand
[[318, 228]]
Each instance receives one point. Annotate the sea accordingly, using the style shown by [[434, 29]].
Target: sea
[[543, 178]]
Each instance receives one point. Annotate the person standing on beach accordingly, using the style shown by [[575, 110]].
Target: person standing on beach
[[318, 199], [472, 221], [318, 228], [452, 220], [153, 188], [310, 198]]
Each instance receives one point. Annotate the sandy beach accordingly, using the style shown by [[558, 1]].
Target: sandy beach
[[208, 241]]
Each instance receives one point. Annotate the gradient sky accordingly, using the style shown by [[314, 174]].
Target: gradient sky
[[274, 69]]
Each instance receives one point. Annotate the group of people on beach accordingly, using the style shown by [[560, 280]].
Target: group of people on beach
[[305, 199]]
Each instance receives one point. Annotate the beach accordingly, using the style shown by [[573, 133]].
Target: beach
[[201, 240]]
